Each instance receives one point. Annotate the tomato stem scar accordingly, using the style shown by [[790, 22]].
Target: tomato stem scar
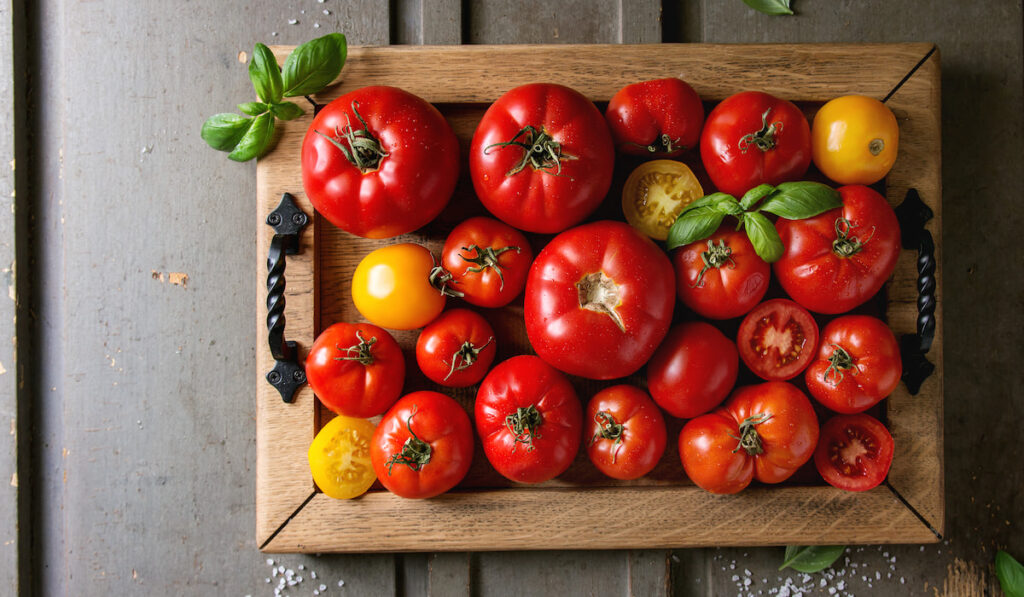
[[540, 151], [608, 428], [361, 350], [763, 139], [415, 452]]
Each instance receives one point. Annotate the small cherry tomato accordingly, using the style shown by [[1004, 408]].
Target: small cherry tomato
[[693, 370], [855, 139], [488, 261], [356, 369], [655, 193], [339, 457], [854, 452], [456, 349], [394, 287], [626, 431], [722, 277], [857, 366], [662, 117], [777, 340]]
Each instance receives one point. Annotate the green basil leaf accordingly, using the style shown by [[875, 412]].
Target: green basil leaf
[[1010, 573], [763, 236], [286, 110], [770, 7], [811, 559], [256, 139], [313, 65], [265, 74], [720, 202], [755, 194], [799, 200], [253, 108], [694, 225], [223, 131]]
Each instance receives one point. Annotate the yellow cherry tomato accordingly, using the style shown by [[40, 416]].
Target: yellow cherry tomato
[[854, 139], [655, 194], [339, 457], [392, 288]]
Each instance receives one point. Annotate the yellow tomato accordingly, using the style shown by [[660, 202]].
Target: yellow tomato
[[655, 193], [339, 457], [392, 288], [854, 140]]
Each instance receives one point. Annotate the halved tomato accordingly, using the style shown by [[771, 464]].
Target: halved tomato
[[777, 339], [339, 457], [656, 193], [854, 452]]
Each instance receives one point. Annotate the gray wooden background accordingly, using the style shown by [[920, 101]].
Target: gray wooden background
[[129, 387]]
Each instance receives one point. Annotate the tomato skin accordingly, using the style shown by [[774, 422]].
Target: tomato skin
[[409, 187], [777, 339], [639, 115], [523, 382], [641, 437], [491, 287], [440, 422], [706, 446], [818, 277], [855, 139], [874, 361], [391, 287], [444, 341], [598, 260], [727, 290], [855, 452], [736, 165], [693, 370], [545, 200], [356, 369], [339, 457]]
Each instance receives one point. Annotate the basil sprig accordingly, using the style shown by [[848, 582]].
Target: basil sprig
[[1010, 573], [308, 69], [770, 7], [811, 559], [791, 200]]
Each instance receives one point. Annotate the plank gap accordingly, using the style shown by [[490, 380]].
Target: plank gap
[[287, 520], [906, 77], [913, 510]]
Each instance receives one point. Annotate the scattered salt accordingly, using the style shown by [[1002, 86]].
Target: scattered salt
[[270, 562], [323, 587], [293, 21], [316, 25], [341, 583], [327, 12], [302, 566]]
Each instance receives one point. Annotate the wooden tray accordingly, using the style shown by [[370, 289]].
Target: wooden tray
[[581, 509]]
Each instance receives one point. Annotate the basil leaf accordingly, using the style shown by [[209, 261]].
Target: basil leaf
[[1010, 573], [755, 194], [313, 65], [811, 559], [763, 236], [265, 74], [255, 140], [253, 108], [694, 225], [770, 7], [286, 110], [799, 200], [223, 131]]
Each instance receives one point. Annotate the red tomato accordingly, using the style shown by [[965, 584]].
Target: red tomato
[[529, 420], [599, 300], [488, 261], [722, 277], [855, 452], [402, 174], [753, 138], [693, 370], [766, 432], [423, 445], [542, 158], [661, 117], [838, 260], [777, 339], [626, 431], [356, 369], [858, 364], [456, 349]]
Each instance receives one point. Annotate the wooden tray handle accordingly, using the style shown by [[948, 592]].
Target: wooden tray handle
[[913, 214], [287, 220]]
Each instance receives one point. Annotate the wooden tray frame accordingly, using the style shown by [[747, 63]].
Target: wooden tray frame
[[909, 508]]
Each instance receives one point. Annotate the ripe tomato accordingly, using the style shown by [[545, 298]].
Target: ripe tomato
[[766, 432], [693, 370], [456, 349], [855, 452], [855, 139], [753, 138], [722, 277], [777, 340], [661, 117], [858, 364], [838, 260], [339, 457], [542, 158], [423, 445], [599, 300], [655, 193], [529, 420], [379, 162], [626, 431], [399, 287], [356, 369], [488, 261]]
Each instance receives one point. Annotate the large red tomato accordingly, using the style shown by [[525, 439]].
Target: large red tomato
[[379, 162], [722, 277], [488, 261], [356, 369], [599, 300], [542, 158], [838, 260], [693, 370], [858, 364], [529, 420], [753, 138], [626, 431], [456, 349], [661, 117]]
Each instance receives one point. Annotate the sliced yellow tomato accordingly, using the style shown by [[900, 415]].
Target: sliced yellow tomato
[[655, 194], [392, 288], [854, 140], [339, 457]]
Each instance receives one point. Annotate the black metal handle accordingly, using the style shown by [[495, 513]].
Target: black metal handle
[[287, 220], [913, 214]]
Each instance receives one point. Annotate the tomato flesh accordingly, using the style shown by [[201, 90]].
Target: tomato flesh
[[854, 452], [777, 339]]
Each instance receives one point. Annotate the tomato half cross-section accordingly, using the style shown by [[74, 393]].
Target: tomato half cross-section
[[777, 339], [854, 452], [857, 366], [655, 193], [339, 457], [661, 118], [599, 300], [356, 369], [626, 432], [488, 261]]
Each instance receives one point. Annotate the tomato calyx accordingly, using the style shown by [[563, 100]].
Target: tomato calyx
[[540, 151], [763, 139], [487, 258], [608, 428], [599, 293], [839, 361], [364, 150], [523, 425], [440, 278], [465, 356], [716, 256], [664, 144], [749, 439], [415, 452], [362, 353], [845, 244]]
